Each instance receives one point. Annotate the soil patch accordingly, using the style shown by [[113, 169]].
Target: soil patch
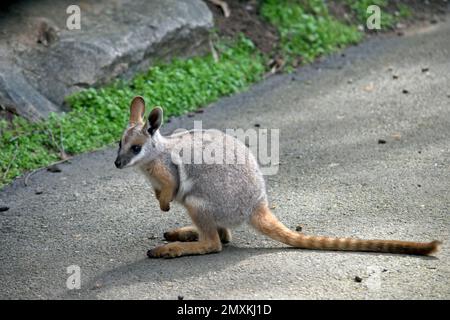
[[245, 18]]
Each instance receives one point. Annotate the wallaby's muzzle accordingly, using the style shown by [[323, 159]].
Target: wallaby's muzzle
[[123, 159], [118, 163]]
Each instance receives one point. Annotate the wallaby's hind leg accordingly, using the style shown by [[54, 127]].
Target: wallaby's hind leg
[[208, 243], [208, 239], [190, 233], [184, 234]]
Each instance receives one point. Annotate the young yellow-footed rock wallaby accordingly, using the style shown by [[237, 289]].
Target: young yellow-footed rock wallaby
[[218, 196]]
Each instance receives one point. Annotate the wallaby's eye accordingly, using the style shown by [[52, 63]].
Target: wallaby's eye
[[136, 149]]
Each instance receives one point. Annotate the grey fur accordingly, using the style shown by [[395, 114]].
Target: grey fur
[[225, 194]]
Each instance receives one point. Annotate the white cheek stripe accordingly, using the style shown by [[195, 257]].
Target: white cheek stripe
[[138, 157]]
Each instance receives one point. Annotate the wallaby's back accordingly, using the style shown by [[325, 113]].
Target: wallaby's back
[[229, 185]]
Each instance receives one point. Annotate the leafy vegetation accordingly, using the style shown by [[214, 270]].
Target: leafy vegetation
[[404, 11], [309, 30], [360, 9], [388, 20]]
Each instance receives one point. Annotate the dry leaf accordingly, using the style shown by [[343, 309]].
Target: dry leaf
[[63, 155], [223, 5], [214, 53], [396, 136]]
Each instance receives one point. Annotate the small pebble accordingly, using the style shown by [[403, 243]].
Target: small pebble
[[358, 279], [405, 91], [4, 208], [96, 286], [299, 228], [381, 141]]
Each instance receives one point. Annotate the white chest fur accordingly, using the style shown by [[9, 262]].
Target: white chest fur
[[185, 183]]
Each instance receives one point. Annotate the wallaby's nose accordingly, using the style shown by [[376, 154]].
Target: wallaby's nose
[[118, 163]]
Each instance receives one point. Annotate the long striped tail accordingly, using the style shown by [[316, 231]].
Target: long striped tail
[[265, 222]]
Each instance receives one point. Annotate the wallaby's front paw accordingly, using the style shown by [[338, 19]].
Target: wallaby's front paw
[[164, 206], [170, 250]]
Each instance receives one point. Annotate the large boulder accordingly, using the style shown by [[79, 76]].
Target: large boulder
[[42, 61]]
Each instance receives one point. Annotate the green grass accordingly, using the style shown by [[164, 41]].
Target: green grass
[[307, 31], [404, 11], [388, 20], [98, 115], [360, 9]]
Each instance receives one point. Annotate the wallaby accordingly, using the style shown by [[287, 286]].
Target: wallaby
[[219, 196]]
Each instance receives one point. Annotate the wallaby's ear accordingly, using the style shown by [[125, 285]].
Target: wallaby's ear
[[137, 110], [155, 120]]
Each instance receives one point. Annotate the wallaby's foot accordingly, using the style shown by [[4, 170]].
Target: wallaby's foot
[[178, 249], [184, 234], [224, 234], [190, 233]]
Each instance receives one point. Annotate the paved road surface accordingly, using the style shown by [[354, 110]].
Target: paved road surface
[[334, 179]]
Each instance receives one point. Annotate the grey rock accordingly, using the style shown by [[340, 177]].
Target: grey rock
[[20, 97], [42, 62]]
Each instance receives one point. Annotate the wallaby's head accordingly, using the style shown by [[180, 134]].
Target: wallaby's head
[[141, 140]]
